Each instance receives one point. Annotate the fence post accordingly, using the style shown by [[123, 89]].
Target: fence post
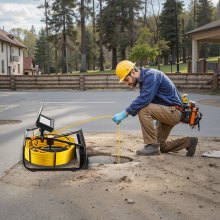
[[12, 78], [215, 81], [81, 82]]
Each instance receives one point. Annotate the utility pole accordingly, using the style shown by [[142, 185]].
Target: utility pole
[[177, 39], [48, 46]]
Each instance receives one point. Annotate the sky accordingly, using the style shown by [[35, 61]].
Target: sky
[[20, 13], [24, 13]]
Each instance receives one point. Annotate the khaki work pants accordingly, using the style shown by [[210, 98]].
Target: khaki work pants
[[167, 118]]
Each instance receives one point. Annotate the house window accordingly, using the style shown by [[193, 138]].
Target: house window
[[18, 68], [2, 47], [3, 66], [19, 51]]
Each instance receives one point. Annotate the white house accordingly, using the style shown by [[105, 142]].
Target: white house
[[11, 54]]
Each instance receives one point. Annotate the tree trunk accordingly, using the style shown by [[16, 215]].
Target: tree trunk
[[165, 60], [184, 43], [56, 66], [94, 38], [122, 30], [123, 54], [101, 57], [83, 67], [64, 67], [131, 17], [76, 62], [145, 13], [114, 58], [158, 62], [48, 46]]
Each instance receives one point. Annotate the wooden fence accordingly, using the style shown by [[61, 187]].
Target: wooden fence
[[101, 81]]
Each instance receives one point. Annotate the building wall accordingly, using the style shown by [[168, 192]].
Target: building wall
[[12, 59]]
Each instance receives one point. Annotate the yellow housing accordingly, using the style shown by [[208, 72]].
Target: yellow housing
[[36, 154]]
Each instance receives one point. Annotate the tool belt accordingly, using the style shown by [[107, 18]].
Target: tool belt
[[191, 115], [179, 108]]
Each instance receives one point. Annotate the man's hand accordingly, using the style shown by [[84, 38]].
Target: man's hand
[[119, 117]]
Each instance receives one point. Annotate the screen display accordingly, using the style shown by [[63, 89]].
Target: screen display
[[45, 121]]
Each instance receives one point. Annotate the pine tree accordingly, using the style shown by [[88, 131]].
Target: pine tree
[[204, 15], [83, 67], [41, 52], [61, 25], [168, 25], [99, 29], [109, 26], [129, 11], [118, 26], [204, 12]]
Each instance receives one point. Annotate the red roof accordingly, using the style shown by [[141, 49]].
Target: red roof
[[7, 37], [29, 63]]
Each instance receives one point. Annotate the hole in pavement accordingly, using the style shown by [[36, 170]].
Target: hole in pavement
[[104, 159], [6, 122]]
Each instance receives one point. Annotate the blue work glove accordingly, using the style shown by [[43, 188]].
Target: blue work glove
[[119, 117]]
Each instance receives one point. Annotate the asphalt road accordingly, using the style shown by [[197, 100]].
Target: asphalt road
[[70, 107]]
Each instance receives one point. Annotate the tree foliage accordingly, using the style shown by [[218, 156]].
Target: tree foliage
[[118, 27], [27, 38], [61, 25], [40, 51], [113, 30], [204, 12], [171, 8], [144, 51]]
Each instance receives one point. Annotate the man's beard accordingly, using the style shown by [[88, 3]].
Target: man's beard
[[134, 82]]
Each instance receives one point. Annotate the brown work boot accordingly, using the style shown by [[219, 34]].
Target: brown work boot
[[148, 150], [192, 147]]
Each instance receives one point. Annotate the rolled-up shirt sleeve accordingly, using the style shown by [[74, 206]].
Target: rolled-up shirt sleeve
[[147, 93]]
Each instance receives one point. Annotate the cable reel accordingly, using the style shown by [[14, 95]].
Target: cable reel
[[50, 151]]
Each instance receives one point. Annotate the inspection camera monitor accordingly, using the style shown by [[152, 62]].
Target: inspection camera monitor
[[44, 123]]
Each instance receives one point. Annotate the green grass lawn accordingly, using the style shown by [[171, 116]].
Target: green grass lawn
[[213, 59], [167, 68], [163, 68]]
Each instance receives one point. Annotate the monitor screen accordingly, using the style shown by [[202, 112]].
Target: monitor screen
[[44, 120]]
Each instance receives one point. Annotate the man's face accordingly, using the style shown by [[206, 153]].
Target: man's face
[[131, 80]]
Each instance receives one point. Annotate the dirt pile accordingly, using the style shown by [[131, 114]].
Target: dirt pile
[[168, 186]]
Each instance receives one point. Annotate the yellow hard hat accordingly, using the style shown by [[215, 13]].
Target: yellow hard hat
[[123, 69]]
